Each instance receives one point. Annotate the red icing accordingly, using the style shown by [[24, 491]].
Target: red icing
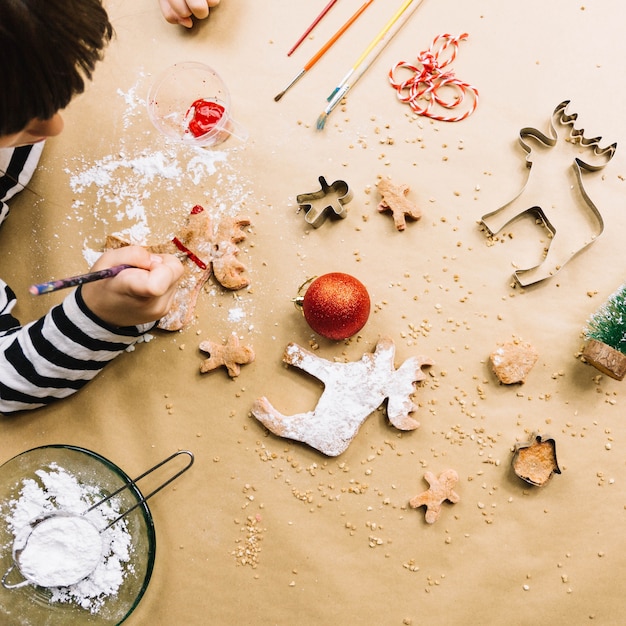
[[204, 114], [197, 209], [192, 257]]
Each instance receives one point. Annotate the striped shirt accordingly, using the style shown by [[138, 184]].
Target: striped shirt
[[58, 354]]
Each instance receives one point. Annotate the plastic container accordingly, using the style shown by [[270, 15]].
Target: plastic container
[[190, 103]]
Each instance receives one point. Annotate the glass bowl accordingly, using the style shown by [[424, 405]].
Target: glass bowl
[[190, 104], [31, 605]]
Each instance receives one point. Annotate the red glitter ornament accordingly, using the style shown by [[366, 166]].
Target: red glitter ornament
[[336, 305]]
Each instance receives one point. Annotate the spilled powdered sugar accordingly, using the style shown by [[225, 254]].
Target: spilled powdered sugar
[[55, 491], [236, 314], [144, 190]]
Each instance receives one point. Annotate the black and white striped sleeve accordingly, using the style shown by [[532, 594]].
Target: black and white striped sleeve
[[17, 166], [57, 355]]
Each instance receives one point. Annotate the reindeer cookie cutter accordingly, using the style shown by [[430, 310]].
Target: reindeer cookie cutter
[[329, 200], [550, 194]]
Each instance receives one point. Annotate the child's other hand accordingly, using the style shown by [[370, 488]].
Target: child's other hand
[[136, 295], [180, 11]]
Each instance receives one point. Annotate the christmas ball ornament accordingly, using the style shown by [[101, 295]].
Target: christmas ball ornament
[[335, 305]]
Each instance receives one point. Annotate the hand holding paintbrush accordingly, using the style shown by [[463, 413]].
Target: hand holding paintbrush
[[127, 287], [75, 281]]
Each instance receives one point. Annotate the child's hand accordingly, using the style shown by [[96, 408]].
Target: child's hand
[[134, 296], [180, 11]]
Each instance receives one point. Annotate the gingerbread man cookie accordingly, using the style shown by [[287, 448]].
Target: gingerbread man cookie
[[440, 490], [231, 355], [394, 199], [535, 461]]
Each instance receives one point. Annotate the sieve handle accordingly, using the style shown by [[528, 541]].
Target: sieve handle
[[8, 585], [136, 480]]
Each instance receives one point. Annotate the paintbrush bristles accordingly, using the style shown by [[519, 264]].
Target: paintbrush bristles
[[321, 121], [296, 78], [333, 101], [368, 56]]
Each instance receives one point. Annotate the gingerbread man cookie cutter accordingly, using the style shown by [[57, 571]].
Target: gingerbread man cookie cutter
[[566, 210], [329, 200]]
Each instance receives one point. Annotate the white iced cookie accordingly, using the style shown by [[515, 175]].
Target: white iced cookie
[[352, 391]]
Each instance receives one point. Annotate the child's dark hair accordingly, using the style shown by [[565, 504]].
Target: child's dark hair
[[48, 48]]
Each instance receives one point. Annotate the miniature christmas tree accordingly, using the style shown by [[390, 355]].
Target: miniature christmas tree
[[606, 336]]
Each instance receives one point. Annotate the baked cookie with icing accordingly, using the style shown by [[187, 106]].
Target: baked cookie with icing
[[208, 246], [352, 391]]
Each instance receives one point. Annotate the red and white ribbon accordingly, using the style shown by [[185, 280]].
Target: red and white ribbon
[[430, 90]]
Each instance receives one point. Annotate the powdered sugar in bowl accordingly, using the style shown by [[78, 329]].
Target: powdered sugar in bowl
[[56, 550], [49, 488]]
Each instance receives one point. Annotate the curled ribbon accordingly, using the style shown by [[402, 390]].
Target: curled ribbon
[[429, 86]]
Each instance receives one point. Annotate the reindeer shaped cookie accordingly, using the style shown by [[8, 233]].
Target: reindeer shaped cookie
[[351, 392], [554, 190], [213, 246]]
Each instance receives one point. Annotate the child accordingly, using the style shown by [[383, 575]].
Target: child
[[48, 48], [180, 11]]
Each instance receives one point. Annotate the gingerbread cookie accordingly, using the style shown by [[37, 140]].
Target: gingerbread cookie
[[535, 461], [231, 355], [512, 361], [394, 199], [352, 391], [441, 489], [208, 248]]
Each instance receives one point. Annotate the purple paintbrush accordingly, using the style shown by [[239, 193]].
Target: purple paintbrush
[[64, 283]]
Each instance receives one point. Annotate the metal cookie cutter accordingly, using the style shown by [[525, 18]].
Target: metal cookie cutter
[[329, 199], [565, 209]]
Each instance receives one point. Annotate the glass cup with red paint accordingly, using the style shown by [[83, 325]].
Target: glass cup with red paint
[[190, 103]]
